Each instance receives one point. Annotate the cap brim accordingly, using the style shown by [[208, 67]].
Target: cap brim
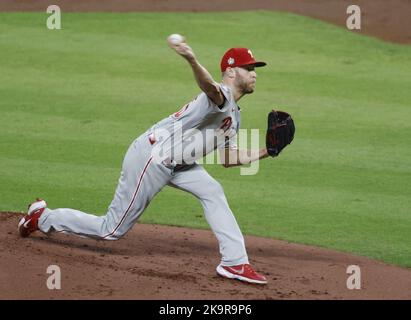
[[255, 64], [260, 64]]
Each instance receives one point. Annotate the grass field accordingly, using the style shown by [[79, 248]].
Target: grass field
[[72, 100]]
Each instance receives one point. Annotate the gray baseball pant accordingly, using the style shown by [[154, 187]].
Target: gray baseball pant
[[140, 180]]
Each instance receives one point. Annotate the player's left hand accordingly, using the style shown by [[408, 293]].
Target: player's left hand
[[280, 132]]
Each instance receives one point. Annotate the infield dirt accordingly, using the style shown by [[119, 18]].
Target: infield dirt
[[163, 262], [388, 20]]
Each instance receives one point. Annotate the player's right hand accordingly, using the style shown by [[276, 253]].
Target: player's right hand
[[184, 50]]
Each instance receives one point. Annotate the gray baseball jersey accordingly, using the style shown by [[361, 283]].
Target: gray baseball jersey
[[197, 129], [142, 177]]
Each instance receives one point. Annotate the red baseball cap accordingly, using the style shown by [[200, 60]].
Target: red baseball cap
[[238, 57]]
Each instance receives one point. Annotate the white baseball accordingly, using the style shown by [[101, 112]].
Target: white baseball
[[175, 39]]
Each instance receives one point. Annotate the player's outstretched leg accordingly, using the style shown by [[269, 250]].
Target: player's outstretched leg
[[141, 178]]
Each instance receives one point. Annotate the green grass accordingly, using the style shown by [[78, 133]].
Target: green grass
[[72, 100]]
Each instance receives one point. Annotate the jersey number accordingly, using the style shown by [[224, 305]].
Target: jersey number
[[226, 124]]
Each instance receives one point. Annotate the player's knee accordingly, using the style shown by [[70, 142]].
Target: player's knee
[[214, 188], [112, 236], [112, 232]]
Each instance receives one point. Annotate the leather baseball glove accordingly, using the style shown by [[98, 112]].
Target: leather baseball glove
[[280, 132]]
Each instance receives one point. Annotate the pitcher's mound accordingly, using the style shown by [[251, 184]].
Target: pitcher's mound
[[161, 262]]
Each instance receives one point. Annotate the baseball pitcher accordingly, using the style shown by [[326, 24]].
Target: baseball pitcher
[[158, 158]]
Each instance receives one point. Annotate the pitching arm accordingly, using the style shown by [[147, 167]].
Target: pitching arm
[[204, 79]]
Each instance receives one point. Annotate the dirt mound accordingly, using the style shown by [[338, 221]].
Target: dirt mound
[[389, 20], [161, 262]]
